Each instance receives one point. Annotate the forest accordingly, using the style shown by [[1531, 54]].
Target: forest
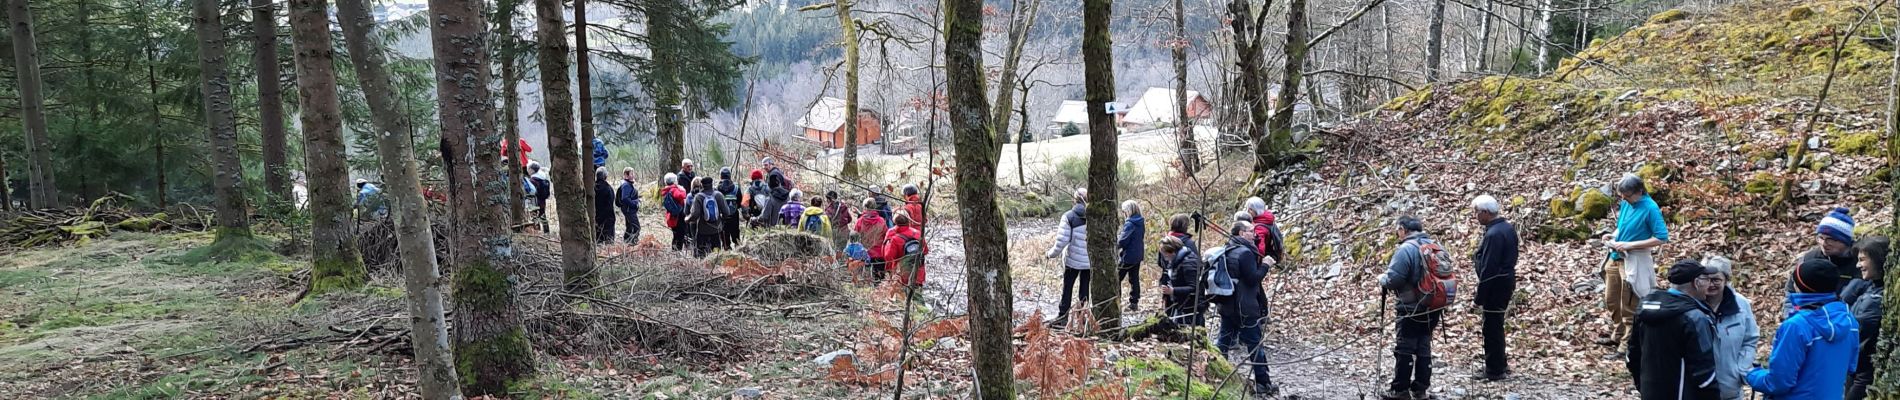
[[854, 199]]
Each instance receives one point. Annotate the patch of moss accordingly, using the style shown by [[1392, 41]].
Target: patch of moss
[[1858, 144], [1799, 13], [483, 364], [1762, 183], [1667, 16], [141, 224], [337, 275], [1292, 242], [1656, 172], [1173, 378]]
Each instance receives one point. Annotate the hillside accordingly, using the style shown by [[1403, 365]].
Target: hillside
[[1711, 134]]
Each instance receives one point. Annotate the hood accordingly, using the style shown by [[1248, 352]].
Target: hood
[[1731, 303], [814, 211], [1136, 219], [914, 198], [1830, 320], [1665, 305], [1264, 218]]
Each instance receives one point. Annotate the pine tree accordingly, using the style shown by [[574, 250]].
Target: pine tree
[[42, 190], [335, 263], [1099, 90], [428, 328], [270, 101], [573, 181], [492, 349], [232, 210]]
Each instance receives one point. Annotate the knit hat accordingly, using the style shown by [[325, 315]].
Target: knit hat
[[725, 173], [758, 175], [1685, 271], [1814, 275], [1838, 226]]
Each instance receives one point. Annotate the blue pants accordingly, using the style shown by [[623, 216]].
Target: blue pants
[[1247, 331]]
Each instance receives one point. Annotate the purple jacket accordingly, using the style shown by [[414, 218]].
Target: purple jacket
[[789, 214]]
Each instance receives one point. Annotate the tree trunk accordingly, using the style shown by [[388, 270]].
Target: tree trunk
[[227, 181], [1434, 42], [511, 107], [415, 239], [1886, 384], [1252, 75], [985, 243], [158, 121], [270, 102], [1023, 18], [584, 79], [848, 33], [1022, 137], [335, 263], [492, 349], [1542, 35], [42, 192], [1099, 90], [1184, 127], [573, 181], [1281, 138], [669, 131], [1385, 20], [1484, 38]]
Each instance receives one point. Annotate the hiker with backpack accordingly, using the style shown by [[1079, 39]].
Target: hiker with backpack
[[603, 207], [673, 200], [904, 251], [627, 197], [914, 204], [872, 229], [728, 222], [1268, 240], [1129, 243], [1496, 262], [794, 207], [814, 220], [1672, 345], [1235, 278], [707, 207], [1420, 276], [758, 199], [1072, 246], [1630, 271], [543, 189]]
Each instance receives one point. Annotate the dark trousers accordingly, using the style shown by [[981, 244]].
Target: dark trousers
[[704, 243], [729, 234], [633, 227], [1132, 275], [1247, 332], [1412, 354], [604, 227], [876, 265], [1864, 374], [1494, 296], [680, 237], [1069, 276]]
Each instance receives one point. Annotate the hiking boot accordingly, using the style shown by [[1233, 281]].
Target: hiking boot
[[1618, 355], [1059, 323], [1482, 376], [1421, 394], [1395, 395], [1265, 390], [1134, 306]]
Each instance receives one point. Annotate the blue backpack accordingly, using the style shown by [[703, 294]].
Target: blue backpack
[[813, 224], [711, 204], [1219, 281]]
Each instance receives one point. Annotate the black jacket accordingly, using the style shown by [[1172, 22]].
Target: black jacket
[[1845, 266], [1863, 297], [696, 214], [731, 191], [603, 202], [1243, 263], [1496, 262], [1182, 275], [1672, 348]]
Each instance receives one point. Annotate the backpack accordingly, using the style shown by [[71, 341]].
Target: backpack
[[1436, 282], [711, 204], [1219, 281], [671, 205], [913, 249], [813, 224]]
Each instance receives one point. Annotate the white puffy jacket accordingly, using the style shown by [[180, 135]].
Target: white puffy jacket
[[1072, 237]]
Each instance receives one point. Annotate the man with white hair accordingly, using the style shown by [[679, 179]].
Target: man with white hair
[[673, 200], [1496, 262], [687, 176], [1130, 244], [1072, 246]]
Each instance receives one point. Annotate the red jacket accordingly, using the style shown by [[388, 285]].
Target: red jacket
[[914, 205], [894, 251], [870, 228], [679, 197], [523, 154]]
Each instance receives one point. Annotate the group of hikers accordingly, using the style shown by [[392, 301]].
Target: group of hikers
[[1694, 340]]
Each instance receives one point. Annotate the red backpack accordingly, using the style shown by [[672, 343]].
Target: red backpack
[[1437, 282]]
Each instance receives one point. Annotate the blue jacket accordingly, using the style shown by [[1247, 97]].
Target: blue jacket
[[1407, 267], [1243, 264], [600, 153], [627, 197], [1814, 351], [1130, 243], [1637, 221]]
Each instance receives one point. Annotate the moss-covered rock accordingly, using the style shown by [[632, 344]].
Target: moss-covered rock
[[1858, 144], [1563, 207], [1593, 205], [1762, 183], [1667, 16], [1799, 13], [142, 224]]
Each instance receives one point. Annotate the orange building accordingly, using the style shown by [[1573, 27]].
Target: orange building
[[825, 124]]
